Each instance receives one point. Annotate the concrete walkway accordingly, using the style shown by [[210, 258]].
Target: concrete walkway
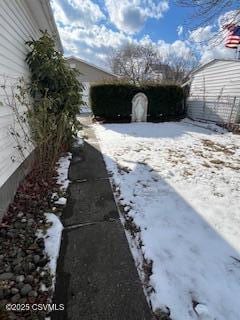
[[96, 275]]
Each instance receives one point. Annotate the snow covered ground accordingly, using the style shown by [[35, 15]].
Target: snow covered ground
[[181, 185]]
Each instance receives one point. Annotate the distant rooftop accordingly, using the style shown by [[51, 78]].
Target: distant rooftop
[[90, 65], [159, 67]]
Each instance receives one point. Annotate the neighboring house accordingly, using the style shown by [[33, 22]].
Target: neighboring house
[[160, 72], [89, 73], [214, 93], [20, 20]]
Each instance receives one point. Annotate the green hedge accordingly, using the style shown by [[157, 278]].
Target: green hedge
[[113, 101]]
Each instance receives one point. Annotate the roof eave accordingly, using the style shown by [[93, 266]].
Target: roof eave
[[91, 65], [211, 62]]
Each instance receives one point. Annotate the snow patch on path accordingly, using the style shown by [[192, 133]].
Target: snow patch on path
[[181, 185], [52, 240], [62, 170], [53, 234], [61, 201]]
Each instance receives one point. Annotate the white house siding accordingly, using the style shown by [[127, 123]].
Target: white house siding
[[215, 92], [85, 93], [17, 25], [88, 74]]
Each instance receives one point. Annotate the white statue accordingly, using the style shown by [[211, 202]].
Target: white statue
[[139, 107]]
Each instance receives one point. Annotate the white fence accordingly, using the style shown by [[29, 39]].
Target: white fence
[[223, 110]]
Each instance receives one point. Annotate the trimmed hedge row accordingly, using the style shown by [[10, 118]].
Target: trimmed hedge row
[[113, 101]]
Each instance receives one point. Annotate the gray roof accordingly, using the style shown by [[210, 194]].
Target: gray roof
[[159, 67], [90, 64]]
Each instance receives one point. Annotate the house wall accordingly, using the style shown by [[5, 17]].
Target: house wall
[[85, 93], [89, 74], [17, 25], [215, 92]]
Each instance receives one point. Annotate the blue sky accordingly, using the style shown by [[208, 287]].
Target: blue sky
[[91, 29], [166, 27]]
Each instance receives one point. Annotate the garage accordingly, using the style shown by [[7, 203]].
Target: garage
[[89, 74]]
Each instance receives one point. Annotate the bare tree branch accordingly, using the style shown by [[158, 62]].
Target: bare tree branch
[[144, 63], [133, 61], [179, 68], [207, 10]]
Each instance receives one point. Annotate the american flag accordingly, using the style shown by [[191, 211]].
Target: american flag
[[233, 38]]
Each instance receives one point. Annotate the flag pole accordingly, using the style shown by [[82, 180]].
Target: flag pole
[[238, 52]]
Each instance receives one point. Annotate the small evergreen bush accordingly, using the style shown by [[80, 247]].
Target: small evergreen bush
[[113, 101], [53, 79], [55, 100]]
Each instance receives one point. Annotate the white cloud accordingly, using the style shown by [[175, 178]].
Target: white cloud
[[95, 37], [78, 12], [59, 13], [179, 30], [229, 17], [91, 40], [157, 8], [202, 34], [81, 28], [85, 31], [94, 41], [220, 52], [209, 41], [87, 11], [178, 48], [130, 15], [92, 44]]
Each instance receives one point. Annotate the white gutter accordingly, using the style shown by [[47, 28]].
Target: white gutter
[[186, 83]]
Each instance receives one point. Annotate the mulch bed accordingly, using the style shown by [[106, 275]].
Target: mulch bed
[[24, 274]]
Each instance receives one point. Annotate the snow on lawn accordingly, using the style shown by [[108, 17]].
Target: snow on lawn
[[180, 183]]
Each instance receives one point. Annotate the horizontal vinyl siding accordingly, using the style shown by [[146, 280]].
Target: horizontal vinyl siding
[[218, 111], [16, 26], [222, 77], [10, 158], [89, 73], [85, 93], [213, 91]]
